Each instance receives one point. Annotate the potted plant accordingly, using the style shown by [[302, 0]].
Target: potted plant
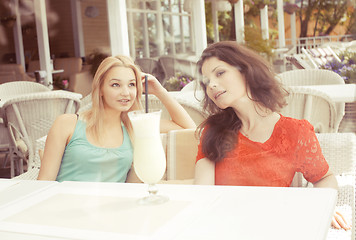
[[177, 82], [346, 68]]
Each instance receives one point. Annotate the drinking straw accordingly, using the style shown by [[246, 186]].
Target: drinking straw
[[146, 94]]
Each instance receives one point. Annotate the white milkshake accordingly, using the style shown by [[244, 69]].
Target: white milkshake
[[149, 158]]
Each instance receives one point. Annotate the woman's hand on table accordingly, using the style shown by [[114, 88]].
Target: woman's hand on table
[[339, 222]]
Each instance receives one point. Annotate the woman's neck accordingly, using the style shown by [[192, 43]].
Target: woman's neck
[[257, 121], [111, 117]]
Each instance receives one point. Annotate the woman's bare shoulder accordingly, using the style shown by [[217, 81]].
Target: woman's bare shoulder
[[66, 121]]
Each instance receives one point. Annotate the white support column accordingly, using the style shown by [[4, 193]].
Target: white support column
[[214, 13], [20, 57], [181, 24], [43, 41], [131, 33], [172, 43], [198, 15], [146, 40], [239, 21], [77, 27], [264, 22], [118, 33], [293, 26], [160, 33], [281, 33]]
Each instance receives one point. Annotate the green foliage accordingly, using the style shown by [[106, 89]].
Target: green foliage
[[326, 15], [255, 7], [254, 41], [346, 68], [178, 82], [94, 59], [226, 24], [60, 83]]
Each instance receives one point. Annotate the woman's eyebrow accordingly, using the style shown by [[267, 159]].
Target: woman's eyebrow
[[215, 68], [120, 80]]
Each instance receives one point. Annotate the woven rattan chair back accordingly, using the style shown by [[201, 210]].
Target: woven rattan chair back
[[30, 116], [314, 106], [12, 89], [305, 77]]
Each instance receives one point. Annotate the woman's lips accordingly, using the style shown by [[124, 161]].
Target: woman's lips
[[219, 94]]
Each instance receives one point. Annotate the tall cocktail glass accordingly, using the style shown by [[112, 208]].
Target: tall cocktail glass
[[148, 157]]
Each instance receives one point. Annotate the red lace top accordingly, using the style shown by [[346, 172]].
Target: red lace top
[[292, 147]]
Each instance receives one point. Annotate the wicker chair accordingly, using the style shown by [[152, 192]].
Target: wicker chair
[[339, 149], [305, 77], [9, 76], [151, 66], [191, 102], [18, 71], [30, 116], [7, 91], [168, 67], [85, 103], [71, 65], [34, 164], [188, 100], [314, 106], [172, 65], [11, 89]]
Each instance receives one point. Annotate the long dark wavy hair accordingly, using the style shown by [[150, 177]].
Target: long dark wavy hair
[[265, 90]]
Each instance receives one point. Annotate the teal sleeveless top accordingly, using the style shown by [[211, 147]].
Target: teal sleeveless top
[[83, 161]]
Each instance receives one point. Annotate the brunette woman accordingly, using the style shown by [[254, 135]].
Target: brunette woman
[[245, 141]]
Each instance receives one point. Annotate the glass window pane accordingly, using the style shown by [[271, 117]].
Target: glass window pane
[[152, 32], [165, 5], [176, 38], [138, 30]]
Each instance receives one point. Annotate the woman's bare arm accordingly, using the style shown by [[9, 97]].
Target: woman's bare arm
[[180, 118], [204, 172], [329, 181], [57, 139]]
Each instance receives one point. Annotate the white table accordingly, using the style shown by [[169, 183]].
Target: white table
[[15, 190], [337, 92], [77, 210]]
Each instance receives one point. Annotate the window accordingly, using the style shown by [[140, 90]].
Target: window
[[158, 27]]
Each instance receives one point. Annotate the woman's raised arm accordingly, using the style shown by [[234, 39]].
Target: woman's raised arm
[[180, 118]]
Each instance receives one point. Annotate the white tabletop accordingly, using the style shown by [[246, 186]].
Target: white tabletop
[[338, 92], [15, 190], [76, 210]]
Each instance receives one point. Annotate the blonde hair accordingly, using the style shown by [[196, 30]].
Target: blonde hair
[[92, 116]]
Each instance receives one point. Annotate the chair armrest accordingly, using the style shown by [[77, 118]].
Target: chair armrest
[[182, 148]]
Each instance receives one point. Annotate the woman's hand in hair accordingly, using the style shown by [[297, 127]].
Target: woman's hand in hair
[[180, 118], [154, 86]]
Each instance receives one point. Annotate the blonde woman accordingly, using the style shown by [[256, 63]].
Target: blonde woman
[[96, 146]]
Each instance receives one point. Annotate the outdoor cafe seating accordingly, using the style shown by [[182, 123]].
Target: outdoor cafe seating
[[29, 116], [181, 147], [13, 72], [167, 66], [306, 77]]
